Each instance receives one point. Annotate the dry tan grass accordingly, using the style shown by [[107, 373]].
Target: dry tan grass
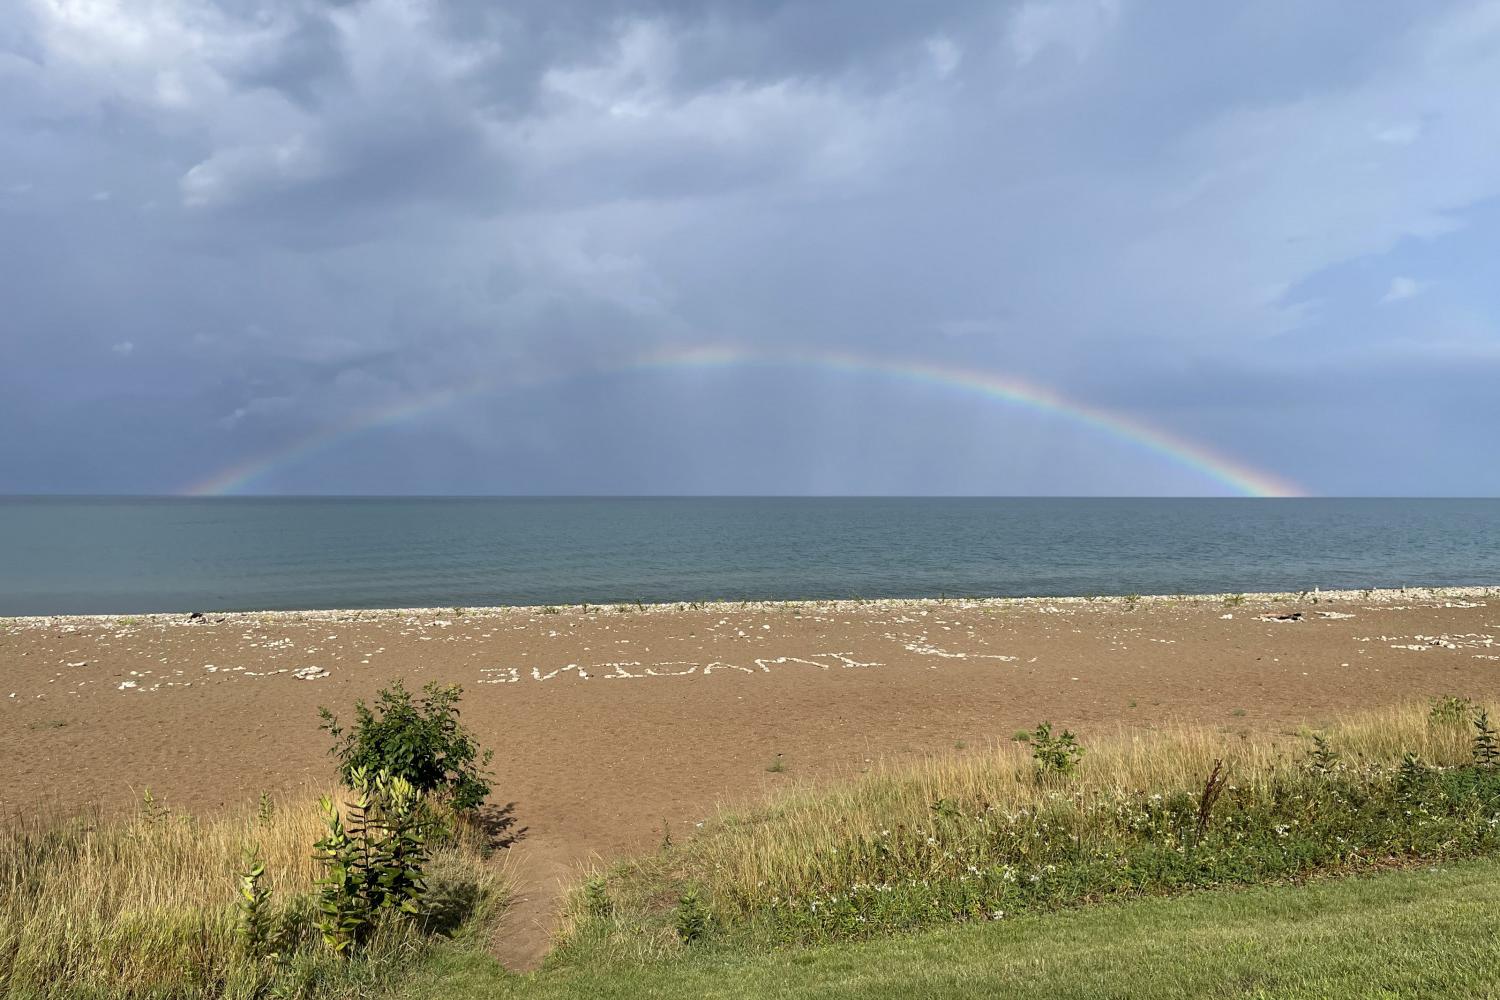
[[145, 904]]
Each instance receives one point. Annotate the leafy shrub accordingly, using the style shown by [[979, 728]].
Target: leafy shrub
[[1054, 755], [945, 808], [374, 861], [1450, 710], [419, 740]]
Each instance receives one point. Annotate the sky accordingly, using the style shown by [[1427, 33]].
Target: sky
[[1041, 247]]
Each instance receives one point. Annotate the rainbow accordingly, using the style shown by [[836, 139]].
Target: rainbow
[[1230, 473], [240, 476]]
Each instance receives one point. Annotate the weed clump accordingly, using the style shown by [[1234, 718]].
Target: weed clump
[[1450, 710], [596, 901], [1054, 755], [1323, 759], [254, 907], [1485, 749], [691, 917], [153, 810]]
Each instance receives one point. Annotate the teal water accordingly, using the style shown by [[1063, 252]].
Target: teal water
[[125, 555]]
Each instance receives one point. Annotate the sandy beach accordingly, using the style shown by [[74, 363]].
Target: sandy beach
[[609, 721]]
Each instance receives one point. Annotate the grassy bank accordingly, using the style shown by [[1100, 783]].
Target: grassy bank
[[145, 906], [1427, 933], [1037, 826]]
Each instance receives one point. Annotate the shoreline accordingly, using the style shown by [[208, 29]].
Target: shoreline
[[1372, 595]]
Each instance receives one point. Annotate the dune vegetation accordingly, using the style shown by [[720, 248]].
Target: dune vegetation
[[150, 905], [995, 869], [311, 896], [1048, 822]]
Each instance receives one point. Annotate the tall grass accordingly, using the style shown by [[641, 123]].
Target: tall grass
[[779, 844], [144, 905], [981, 835]]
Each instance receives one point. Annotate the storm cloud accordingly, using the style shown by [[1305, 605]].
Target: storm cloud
[[422, 246]]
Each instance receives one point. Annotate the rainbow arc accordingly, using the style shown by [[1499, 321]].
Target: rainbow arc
[[1237, 476]]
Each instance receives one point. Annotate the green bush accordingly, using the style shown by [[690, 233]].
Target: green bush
[[374, 858], [417, 739], [1449, 710], [1054, 754]]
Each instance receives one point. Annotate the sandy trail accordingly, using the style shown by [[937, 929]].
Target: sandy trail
[[609, 722]]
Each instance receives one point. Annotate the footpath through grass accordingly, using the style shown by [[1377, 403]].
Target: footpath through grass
[[1417, 933]]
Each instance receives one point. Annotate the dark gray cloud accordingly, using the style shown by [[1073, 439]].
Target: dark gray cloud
[[227, 228]]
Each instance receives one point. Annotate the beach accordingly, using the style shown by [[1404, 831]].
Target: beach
[[615, 724]]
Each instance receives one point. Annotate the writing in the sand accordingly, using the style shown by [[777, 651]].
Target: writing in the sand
[[635, 669]]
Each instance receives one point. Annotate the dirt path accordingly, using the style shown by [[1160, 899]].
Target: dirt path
[[609, 722]]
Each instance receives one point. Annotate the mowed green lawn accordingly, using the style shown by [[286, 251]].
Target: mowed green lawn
[[1432, 932]]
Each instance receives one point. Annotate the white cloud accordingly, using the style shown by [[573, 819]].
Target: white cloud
[[155, 52], [945, 55], [1401, 134], [124, 348], [1403, 288], [1076, 26], [616, 127], [262, 407], [230, 174]]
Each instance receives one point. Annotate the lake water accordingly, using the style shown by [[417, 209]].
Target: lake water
[[126, 555]]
